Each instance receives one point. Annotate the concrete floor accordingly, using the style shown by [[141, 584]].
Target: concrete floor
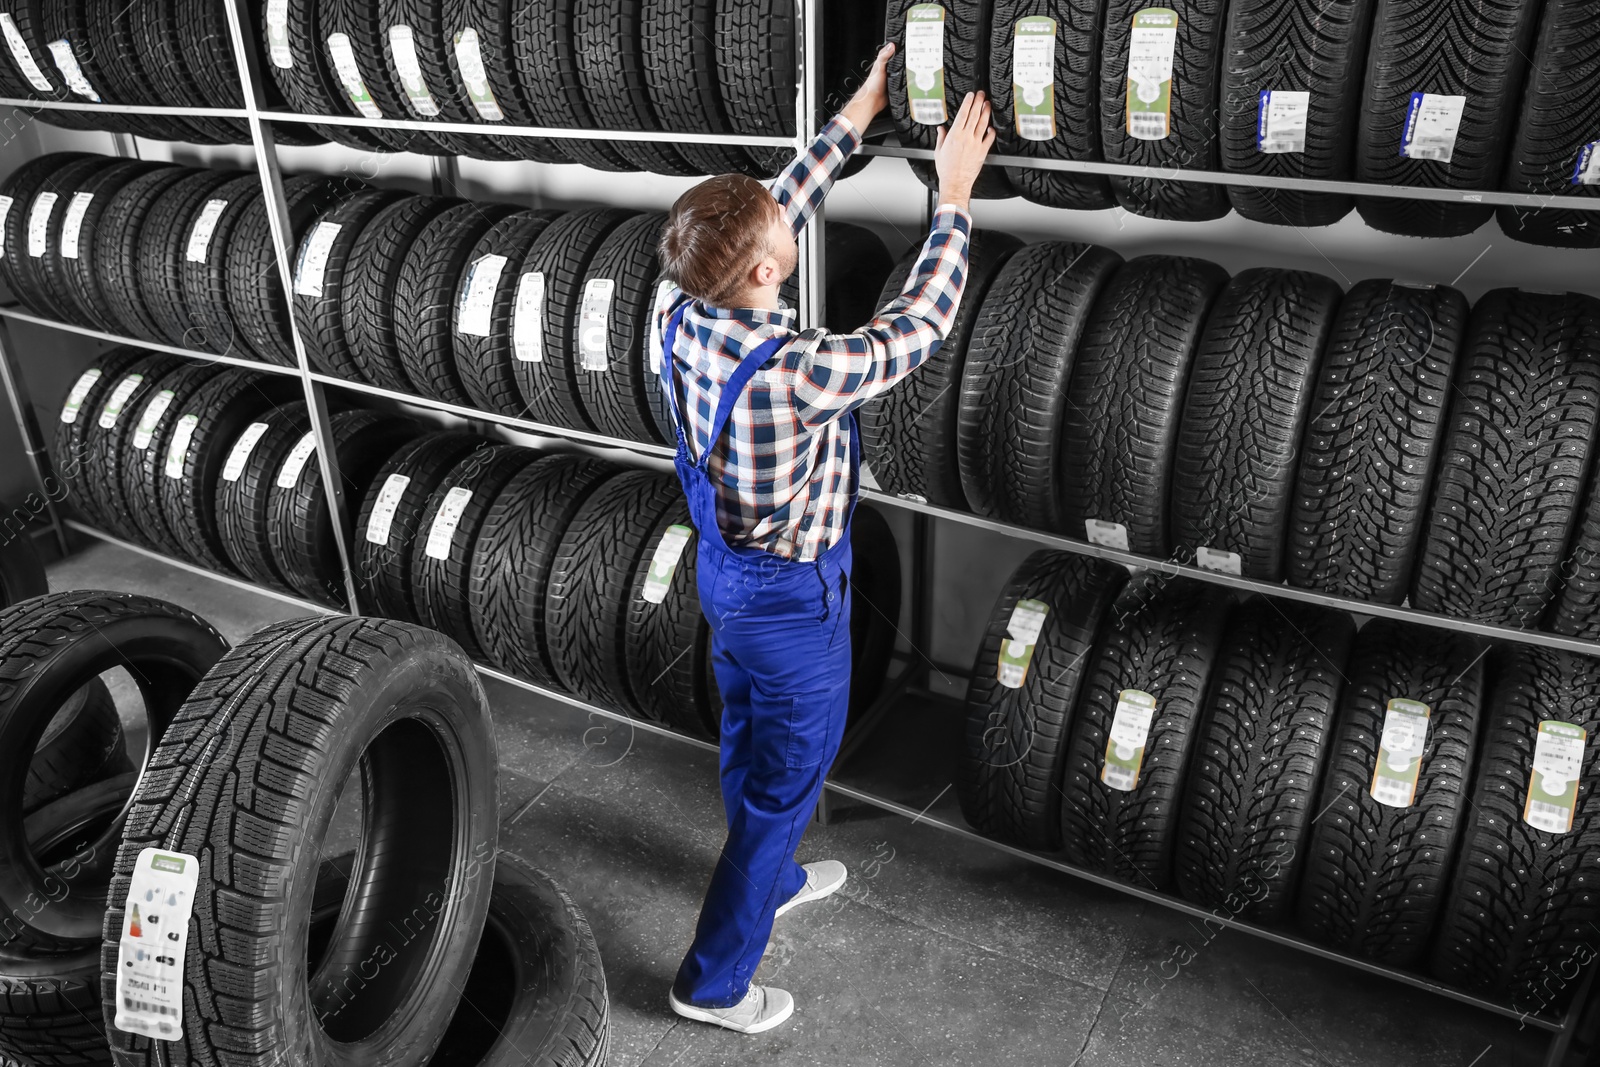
[[939, 951]]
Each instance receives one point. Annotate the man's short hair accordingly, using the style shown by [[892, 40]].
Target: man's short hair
[[715, 233]]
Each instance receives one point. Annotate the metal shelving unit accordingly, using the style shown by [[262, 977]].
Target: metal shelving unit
[[875, 787]]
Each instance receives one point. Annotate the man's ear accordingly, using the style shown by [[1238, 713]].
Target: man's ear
[[766, 273]]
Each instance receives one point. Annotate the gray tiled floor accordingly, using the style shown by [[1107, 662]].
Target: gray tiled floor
[[939, 951]]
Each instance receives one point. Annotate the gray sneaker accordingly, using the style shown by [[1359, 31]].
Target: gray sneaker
[[823, 879], [761, 1009]]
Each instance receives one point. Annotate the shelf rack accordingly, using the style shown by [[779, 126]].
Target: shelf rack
[[911, 684]]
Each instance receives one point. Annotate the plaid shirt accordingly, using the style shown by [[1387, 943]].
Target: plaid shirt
[[782, 467]]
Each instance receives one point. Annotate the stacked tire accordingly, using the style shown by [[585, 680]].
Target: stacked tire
[[1275, 88], [1388, 791]]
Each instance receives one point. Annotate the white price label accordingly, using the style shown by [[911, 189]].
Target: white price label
[[5, 213], [1151, 48], [44, 206], [669, 550], [278, 33], [1027, 620], [1215, 559], [1400, 748], [146, 430], [242, 448], [1022, 633], [313, 260], [80, 389], [178, 450], [154, 942], [384, 507], [469, 58], [925, 64], [1033, 77], [527, 322], [23, 54], [446, 520], [1431, 127], [1281, 126], [1106, 534], [67, 64], [1125, 741], [343, 55], [205, 224], [475, 308], [295, 461], [1587, 171], [594, 323], [403, 44], [119, 399], [1553, 785], [72, 225]]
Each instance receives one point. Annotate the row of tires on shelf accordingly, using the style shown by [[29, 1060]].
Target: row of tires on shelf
[[540, 314], [547, 566], [1403, 794], [446, 953], [1501, 94], [722, 67], [1387, 442]]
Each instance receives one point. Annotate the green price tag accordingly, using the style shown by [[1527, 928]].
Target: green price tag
[[664, 563], [1553, 786], [1022, 634], [925, 64], [1405, 734], [1033, 77], [1130, 729], [1150, 54]]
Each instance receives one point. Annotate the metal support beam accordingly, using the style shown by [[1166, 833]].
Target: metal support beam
[[32, 434]]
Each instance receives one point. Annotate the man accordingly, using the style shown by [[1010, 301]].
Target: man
[[768, 453]]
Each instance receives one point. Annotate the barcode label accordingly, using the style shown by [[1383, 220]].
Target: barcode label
[[289, 473], [39, 223], [924, 49], [1551, 818], [527, 323], [313, 264], [445, 521], [476, 306], [469, 59], [242, 448], [383, 509], [72, 225], [1284, 118], [1148, 127], [23, 54], [67, 64], [1431, 127], [404, 46], [204, 226]]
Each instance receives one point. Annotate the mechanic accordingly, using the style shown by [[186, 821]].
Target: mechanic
[[768, 452]]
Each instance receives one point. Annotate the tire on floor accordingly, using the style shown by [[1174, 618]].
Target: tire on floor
[[81, 744], [1259, 758], [1161, 638], [1245, 410], [1377, 428], [1516, 454], [1008, 777], [1377, 872]]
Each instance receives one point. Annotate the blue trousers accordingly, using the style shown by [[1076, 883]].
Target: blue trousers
[[780, 637]]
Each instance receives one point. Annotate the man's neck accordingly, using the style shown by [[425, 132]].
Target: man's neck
[[764, 299]]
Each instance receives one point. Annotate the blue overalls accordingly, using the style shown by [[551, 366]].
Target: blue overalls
[[780, 644]]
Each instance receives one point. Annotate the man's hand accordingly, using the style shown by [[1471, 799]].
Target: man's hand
[[962, 149], [873, 96]]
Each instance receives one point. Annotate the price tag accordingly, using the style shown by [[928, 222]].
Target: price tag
[[80, 389], [1033, 77], [67, 64], [925, 64], [1405, 733], [278, 33], [1150, 52], [119, 397], [146, 430], [72, 225], [313, 260], [1586, 173], [527, 322], [384, 507], [39, 223], [1130, 729], [594, 323], [1022, 634], [1553, 786], [155, 939], [295, 461], [242, 448], [476, 306], [1431, 127], [23, 54], [665, 563], [1107, 534], [5, 213], [349, 72], [178, 450], [204, 226], [1214, 559], [403, 45], [446, 520], [469, 57], [1281, 127]]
